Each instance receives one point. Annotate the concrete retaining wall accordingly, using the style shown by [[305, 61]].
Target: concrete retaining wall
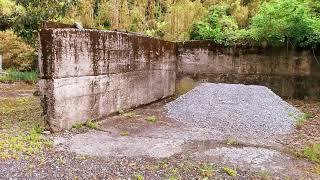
[[289, 73], [89, 74]]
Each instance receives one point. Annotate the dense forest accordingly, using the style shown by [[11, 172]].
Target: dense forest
[[227, 22]]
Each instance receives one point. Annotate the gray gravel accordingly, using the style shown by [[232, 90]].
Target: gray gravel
[[244, 111], [257, 160]]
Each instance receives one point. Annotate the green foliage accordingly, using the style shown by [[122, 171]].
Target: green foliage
[[8, 10], [11, 146], [16, 53], [314, 5], [12, 75], [285, 20], [27, 23], [219, 27], [6, 7], [227, 22], [179, 18], [152, 119], [301, 119], [206, 170], [124, 133], [138, 176], [91, 124], [312, 152], [78, 126], [230, 172], [276, 22]]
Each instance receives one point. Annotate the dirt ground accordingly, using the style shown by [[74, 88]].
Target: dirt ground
[[144, 144]]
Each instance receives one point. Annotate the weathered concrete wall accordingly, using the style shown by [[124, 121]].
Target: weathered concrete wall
[[89, 74], [288, 73]]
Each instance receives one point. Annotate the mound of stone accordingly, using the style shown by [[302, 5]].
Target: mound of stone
[[235, 109]]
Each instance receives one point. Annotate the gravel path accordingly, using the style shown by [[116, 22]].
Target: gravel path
[[244, 111]]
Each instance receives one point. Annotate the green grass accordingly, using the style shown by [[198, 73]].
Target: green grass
[[78, 126], [91, 124], [290, 114], [264, 175], [124, 133], [13, 75], [129, 115], [230, 172], [300, 120], [152, 119], [206, 170], [138, 176], [312, 152]]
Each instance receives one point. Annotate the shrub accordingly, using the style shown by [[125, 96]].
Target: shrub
[[276, 22], [219, 27], [16, 53], [7, 8], [27, 23], [285, 20]]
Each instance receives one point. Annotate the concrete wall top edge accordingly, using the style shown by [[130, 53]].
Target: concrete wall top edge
[[245, 49], [71, 29]]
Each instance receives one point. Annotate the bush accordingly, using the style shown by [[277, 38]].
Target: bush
[[219, 27], [6, 11], [283, 21], [33, 12], [277, 22], [16, 53]]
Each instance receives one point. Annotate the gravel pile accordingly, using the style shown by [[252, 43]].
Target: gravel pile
[[236, 110]]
